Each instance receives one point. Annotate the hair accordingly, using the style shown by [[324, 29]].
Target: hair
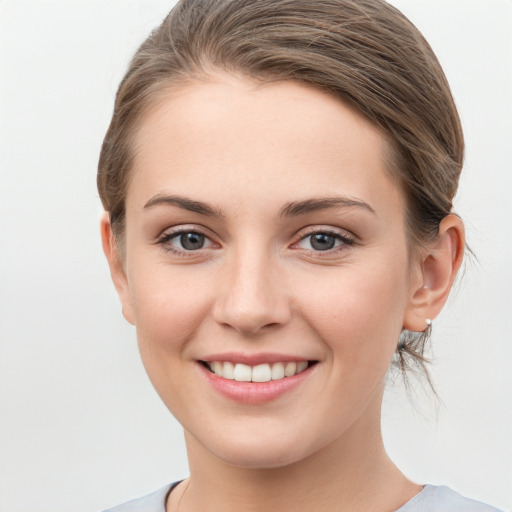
[[364, 52]]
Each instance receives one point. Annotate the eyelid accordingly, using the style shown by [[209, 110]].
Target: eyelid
[[321, 228], [185, 228], [347, 238], [171, 232]]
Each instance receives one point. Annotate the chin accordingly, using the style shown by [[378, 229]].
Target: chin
[[259, 457], [258, 450]]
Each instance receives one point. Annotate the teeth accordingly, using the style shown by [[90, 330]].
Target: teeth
[[229, 370], [243, 373], [277, 371], [290, 369], [217, 368], [301, 366], [259, 373]]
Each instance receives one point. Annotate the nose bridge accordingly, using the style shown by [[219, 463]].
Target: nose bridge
[[252, 295]]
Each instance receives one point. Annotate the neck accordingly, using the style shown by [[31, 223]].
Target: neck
[[352, 474]]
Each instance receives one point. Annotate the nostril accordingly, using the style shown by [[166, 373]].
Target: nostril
[[250, 326], [250, 301]]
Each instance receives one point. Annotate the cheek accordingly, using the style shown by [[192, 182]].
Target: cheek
[[169, 311], [358, 312], [169, 305]]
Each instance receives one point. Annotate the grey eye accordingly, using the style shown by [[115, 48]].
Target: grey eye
[[192, 241], [322, 241]]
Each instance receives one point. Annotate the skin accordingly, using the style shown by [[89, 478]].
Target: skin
[[258, 285]]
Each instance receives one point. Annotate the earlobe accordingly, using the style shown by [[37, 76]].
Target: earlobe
[[440, 262], [115, 263]]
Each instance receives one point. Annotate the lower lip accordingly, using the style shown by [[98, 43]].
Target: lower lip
[[254, 392]]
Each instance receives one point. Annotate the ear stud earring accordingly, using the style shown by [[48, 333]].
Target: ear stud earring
[[429, 322]]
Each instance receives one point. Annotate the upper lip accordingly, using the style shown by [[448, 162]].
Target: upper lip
[[254, 359]]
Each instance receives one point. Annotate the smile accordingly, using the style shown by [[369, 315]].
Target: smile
[[258, 373], [257, 383]]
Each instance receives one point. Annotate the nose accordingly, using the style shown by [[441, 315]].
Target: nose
[[252, 296]]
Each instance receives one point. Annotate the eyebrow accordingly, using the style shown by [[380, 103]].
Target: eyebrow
[[185, 203], [292, 209], [297, 208]]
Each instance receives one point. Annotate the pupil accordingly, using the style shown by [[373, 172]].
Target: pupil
[[192, 241], [322, 242]]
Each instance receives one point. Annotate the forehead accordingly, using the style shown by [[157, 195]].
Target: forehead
[[231, 134]]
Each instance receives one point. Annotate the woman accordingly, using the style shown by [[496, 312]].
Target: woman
[[278, 180]]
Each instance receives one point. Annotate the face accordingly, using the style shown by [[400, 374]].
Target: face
[[266, 268]]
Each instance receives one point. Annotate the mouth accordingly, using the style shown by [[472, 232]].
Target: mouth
[[259, 373]]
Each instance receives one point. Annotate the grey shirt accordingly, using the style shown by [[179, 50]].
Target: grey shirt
[[431, 499]]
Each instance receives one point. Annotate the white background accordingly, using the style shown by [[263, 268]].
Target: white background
[[80, 426]]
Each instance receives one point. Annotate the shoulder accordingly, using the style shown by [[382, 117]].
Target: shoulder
[[154, 502], [443, 499]]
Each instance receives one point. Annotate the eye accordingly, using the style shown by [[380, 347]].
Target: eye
[[191, 241], [321, 241], [185, 241]]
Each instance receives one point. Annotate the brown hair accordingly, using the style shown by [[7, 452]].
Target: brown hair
[[364, 52]]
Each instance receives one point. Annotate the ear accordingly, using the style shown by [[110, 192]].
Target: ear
[[435, 274], [117, 271]]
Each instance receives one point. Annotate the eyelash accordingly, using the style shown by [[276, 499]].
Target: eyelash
[[345, 240], [166, 238]]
